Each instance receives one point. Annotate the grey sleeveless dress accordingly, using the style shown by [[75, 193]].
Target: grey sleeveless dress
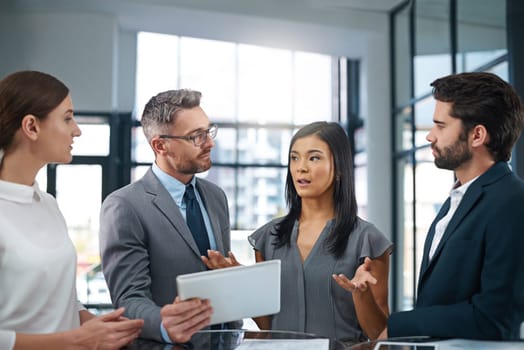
[[311, 301]]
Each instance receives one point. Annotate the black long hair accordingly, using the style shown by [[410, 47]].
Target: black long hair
[[344, 190]]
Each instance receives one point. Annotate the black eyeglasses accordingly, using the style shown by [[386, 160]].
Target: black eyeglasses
[[198, 138]]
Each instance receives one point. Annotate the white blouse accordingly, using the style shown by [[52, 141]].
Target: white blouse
[[37, 265]]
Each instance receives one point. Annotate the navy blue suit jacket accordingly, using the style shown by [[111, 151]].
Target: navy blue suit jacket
[[473, 287]]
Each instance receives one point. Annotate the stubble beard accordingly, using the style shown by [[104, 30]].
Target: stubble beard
[[195, 167], [452, 157]]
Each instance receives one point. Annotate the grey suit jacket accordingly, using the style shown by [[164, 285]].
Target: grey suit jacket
[[145, 243]]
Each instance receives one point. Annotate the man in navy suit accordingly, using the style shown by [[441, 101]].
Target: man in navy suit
[[471, 283]]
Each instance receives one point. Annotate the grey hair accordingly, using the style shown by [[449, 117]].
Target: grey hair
[[160, 112]]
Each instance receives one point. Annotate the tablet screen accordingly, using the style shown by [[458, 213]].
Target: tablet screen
[[235, 292]]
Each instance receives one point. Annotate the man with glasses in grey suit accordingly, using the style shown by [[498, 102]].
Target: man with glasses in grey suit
[[157, 228]]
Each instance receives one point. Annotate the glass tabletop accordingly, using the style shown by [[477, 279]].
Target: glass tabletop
[[245, 340], [431, 343]]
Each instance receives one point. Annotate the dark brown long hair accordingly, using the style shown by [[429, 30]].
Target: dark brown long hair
[[23, 93]]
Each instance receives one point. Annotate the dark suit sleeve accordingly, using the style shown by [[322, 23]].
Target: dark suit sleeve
[[445, 321], [126, 263], [495, 310]]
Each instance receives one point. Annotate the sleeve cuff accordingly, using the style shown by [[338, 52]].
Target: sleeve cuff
[[165, 336]]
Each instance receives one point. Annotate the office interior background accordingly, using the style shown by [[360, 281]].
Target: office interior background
[[265, 68]]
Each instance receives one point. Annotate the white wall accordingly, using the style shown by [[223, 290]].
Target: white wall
[[76, 47], [126, 68], [378, 132]]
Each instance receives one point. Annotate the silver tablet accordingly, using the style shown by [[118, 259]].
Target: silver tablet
[[235, 292]]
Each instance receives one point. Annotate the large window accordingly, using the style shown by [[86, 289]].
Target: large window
[[258, 96]]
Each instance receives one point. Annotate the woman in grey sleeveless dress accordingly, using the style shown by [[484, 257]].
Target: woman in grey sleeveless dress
[[322, 236], [320, 241]]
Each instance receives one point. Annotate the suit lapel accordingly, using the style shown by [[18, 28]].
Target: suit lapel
[[164, 203], [468, 201], [429, 238], [471, 197]]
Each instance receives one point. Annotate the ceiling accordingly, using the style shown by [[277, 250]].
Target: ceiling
[[313, 11], [359, 16], [230, 6], [357, 5]]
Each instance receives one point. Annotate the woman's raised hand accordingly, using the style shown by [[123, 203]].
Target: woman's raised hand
[[360, 281]]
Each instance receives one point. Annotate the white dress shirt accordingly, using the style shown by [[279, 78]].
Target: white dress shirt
[[456, 195]]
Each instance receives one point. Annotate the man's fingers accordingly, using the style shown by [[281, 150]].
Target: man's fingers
[[207, 262], [197, 326], [181, 326], [183, 310], [215, 259], [233, 259], [179, 307]]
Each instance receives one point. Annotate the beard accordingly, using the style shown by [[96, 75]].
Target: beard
[[452, 157], [194, 166]]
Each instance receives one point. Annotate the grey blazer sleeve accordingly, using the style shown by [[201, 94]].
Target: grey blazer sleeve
[[126, 263]]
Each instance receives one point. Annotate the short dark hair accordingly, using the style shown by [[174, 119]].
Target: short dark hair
[[161, 110], [23, 93], [344, 198], [485, 99]]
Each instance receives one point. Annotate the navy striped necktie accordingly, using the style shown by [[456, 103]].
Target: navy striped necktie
[[195, 220]]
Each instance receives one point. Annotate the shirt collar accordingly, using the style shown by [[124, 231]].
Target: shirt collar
[[175, 188], [461, 189], [19, 193]]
